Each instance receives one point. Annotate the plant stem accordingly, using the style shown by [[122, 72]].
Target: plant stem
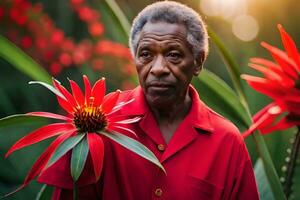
[[292, 164]]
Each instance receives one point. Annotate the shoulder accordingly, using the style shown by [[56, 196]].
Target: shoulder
[[224, 129]]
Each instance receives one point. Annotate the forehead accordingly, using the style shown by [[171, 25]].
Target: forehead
[[163, 32]]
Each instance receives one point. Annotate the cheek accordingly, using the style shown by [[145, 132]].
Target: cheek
[[182, 73], [142, 72]]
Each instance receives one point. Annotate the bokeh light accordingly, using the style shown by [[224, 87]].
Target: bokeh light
[[245, 27], [227, 9]]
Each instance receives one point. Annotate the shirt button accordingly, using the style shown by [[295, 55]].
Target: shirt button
[[161, 147], [158, 192]]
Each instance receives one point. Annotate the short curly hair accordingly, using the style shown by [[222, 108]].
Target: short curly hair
[[172, 12]]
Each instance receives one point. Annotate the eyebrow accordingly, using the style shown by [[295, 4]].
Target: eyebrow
[[168, 45]]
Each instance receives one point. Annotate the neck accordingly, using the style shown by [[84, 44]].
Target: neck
[[174, 111]]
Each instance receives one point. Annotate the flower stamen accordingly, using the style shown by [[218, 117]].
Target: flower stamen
[[89, 118]]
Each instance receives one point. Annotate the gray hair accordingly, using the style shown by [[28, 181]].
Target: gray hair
[[172, 12]]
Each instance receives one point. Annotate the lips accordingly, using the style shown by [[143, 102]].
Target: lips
[[159, 86]]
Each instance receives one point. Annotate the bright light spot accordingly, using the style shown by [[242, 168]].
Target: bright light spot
[[245, 27], [228, 9]]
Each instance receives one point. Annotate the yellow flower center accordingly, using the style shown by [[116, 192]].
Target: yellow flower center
[[89, 118]]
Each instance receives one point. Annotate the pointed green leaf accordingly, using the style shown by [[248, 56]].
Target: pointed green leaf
[[219, 96], [231, 65], [50, 87], [133, 146], [22, 61], [264, 188], [79, 155], [45, 193], [112, 14], [20, 119], [64, 148], [120, 16]]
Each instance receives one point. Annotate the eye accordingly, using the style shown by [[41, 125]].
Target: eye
[[174, 56], [145, 54]]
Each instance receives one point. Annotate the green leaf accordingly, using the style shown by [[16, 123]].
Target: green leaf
[[264, 188], [20, 119], [218, 95], [133, 146], [79, 155], [64, 148], [120, 16], [50, 87], [22, 61], [262, 149], [45, 193], [111, 14], [230, 63]]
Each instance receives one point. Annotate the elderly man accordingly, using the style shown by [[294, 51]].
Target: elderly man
[[204, 155]]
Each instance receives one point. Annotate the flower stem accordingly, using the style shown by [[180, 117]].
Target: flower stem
[[292, 164]]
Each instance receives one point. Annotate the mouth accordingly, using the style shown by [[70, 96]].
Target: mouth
[[159, 87]]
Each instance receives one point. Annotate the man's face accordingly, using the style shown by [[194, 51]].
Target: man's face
[[164, 63]]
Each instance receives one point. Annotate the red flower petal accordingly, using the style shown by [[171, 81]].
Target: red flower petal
[[115, 127], [49, 115], [267, 87], [77, 93], [283, 60], [64, 91], [119, 105], [44, 158], [115, 120], [292, 95], [268, 73], [282, 124], [110, 101], [266, 63], [293, 107], [97, 152], [41, 162], [87, 87], [263, 118], [65, 105], [98, 91], [40, 134], [287, 81], [290, 46]]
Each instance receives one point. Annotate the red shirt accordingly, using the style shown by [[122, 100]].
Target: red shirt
[[206, 159]]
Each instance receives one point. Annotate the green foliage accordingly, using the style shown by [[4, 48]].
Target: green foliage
[[133, 146], [20, 119], [79, 155], [64, 148], [22, 61], [212, 90], [262, 149], [265, 191], [218, 95], [45, 193]]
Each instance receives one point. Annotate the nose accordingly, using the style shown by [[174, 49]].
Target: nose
[[159, 67]]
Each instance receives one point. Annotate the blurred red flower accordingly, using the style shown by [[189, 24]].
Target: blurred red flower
[[281, 82]]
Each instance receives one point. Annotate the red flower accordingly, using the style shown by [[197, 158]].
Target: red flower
[[26, 42], [1, 13], [88, 114], [96, 29], [281, 82]]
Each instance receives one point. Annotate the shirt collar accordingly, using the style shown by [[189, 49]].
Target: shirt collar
[[199, 114]]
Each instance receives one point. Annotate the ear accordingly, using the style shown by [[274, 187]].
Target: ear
[[198, 63]]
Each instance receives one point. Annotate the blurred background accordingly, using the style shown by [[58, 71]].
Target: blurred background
[[75, 37]]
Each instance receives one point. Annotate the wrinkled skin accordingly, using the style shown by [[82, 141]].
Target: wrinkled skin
[[165, 67]]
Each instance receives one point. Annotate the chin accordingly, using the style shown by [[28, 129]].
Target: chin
[[161, 102]]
